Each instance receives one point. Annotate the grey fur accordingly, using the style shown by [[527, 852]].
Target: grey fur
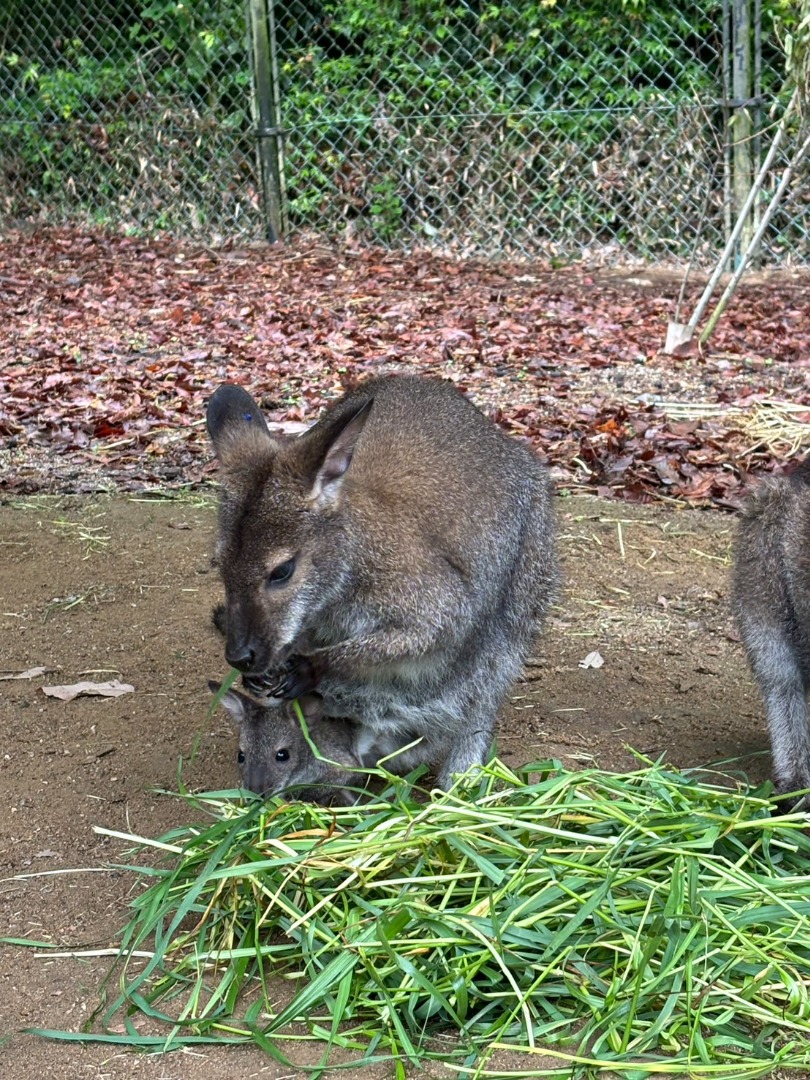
[[270, 731], [771, 601], [423, 548]]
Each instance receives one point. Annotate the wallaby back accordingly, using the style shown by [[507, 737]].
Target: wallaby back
[[771, 602], [396, 557]]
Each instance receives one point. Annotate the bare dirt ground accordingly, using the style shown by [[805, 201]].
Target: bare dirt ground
[[123, 588]]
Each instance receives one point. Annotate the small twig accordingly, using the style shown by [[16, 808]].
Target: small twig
[[621, 539]]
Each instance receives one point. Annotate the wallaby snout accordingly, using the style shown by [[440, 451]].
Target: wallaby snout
[[245, 649], [241, 655]]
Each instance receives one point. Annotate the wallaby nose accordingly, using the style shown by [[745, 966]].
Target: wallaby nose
[[259, 782], [242, 657]]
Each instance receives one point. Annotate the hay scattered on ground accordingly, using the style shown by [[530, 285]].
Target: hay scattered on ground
[[780, 427]]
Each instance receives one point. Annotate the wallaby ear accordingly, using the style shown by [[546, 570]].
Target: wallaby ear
[[235, 425], [329, 477], [230, 700], [231, 406]]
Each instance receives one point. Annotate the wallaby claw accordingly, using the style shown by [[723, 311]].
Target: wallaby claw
[[300, 679], [264, 687]]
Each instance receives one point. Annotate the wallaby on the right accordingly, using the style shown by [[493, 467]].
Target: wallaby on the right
[[771, 601]]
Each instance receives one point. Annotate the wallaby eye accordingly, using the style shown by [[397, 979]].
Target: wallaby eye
[[240, 757], [282, 755], [281, 573]]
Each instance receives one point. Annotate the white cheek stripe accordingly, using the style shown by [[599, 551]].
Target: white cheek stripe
[[290, 625]]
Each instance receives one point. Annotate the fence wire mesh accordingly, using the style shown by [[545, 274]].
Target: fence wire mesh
[[557, 129], [132, 114]]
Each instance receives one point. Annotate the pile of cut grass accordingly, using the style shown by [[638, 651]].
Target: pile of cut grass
[[642, 923]]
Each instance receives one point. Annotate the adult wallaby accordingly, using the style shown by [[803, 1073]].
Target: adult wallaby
[[771, 600], [396, 557], [275, 757]]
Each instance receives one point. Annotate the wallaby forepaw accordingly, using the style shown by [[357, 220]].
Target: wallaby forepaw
[[300, 679]]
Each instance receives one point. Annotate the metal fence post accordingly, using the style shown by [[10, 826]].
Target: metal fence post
[[728, 134], [269, 149], [741, 124]]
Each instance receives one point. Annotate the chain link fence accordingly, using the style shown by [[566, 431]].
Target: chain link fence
[[132, 115], [560, 130]]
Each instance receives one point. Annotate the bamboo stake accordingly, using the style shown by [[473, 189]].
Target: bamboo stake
[[756, 187], [679, 334], [755, 240]]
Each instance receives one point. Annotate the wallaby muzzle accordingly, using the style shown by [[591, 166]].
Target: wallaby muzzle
[[259, 783], [245, 648]]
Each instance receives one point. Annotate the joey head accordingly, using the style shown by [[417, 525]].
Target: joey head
[[275, 757]]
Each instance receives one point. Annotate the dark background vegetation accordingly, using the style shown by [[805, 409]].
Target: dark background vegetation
[[550, 128]]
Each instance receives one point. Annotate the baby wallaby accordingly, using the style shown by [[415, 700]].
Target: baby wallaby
[[396, 558], [771, 600], [274, 755]]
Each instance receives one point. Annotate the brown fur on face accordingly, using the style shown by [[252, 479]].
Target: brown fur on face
[[279, 507]]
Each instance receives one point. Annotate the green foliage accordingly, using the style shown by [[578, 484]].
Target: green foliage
[[792, 26], [118, 107], [635, 924], [410, 98], [402, 116]]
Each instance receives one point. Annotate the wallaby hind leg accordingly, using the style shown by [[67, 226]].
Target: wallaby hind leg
[[779, 674]]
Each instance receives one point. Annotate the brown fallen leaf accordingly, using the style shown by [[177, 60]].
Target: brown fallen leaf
[[287, 427], [113, 688], [29, 673], [587, 347]]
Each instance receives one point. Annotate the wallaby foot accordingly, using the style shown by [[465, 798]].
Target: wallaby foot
[[791, 804], [469, 750]]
